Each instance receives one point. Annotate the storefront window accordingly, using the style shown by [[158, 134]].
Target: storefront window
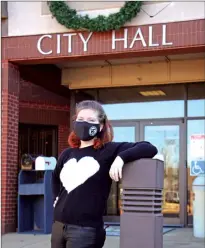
[[196, 99], [145, 110], [195, 152], [143, 102]]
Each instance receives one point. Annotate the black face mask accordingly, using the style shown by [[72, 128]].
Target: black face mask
[[86, 131]]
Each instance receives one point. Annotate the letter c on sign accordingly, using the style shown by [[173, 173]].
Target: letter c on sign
[[39, 44]]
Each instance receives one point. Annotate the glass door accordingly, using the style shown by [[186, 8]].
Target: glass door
[[168, 138], [123, 132]]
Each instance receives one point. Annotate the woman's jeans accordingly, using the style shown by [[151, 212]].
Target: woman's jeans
[[71, 236]]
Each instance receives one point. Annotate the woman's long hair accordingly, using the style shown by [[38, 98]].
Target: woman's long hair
[[106, 135]]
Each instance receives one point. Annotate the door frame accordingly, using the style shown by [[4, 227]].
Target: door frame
[[139, 136], [182, 166]]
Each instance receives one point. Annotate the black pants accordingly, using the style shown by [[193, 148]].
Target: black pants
[[71, 236]]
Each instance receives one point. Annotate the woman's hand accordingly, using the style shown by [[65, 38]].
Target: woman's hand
[[116, 169]]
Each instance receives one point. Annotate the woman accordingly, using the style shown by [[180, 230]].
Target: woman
[[83, 176]]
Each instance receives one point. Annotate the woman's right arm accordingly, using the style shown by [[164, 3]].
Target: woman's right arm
[[56, 183]]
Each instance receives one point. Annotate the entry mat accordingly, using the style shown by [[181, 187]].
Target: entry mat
[[115, 230]]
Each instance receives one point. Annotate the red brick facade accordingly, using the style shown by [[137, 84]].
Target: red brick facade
[[10, 122], [63, 132], [24, 102], [34, 93], [187, 35], [40, 106]]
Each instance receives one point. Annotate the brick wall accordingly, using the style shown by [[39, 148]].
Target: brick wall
[[24, 102], [188, 35], [63, 133], [36, 94], [9, 138], [40, 106]]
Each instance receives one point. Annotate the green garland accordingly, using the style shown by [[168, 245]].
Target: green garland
[[70, 19]]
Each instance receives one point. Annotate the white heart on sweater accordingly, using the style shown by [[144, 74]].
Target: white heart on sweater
[[74, 173]]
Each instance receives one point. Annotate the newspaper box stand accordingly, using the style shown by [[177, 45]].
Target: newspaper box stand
[[35, 205]]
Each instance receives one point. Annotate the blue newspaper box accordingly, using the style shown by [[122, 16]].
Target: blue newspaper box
[[35, 203]]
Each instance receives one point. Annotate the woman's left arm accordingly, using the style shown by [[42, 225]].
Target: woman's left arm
[[127, 152], [133, 151]]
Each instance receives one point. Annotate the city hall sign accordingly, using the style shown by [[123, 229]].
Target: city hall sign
[[150, 40]]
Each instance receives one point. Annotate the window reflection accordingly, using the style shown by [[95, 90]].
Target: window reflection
[[196, 108], [142, 102], [162, 101], [167, 139], [144, 110], [121, 134], [196, 99]]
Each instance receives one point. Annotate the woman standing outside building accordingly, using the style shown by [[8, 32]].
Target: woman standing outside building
[[83, 176]]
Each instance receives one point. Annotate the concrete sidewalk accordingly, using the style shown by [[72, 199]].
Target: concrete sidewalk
[[180, 238]]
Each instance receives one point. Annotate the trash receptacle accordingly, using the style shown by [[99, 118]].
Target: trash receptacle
[[141, 223], [198, 187]]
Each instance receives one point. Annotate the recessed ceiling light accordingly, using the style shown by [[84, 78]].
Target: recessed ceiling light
[[153, 93]]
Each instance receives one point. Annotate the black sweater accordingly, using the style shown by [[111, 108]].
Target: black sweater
[[82, 183]]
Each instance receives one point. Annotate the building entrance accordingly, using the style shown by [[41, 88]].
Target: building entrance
[[168, 137]]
